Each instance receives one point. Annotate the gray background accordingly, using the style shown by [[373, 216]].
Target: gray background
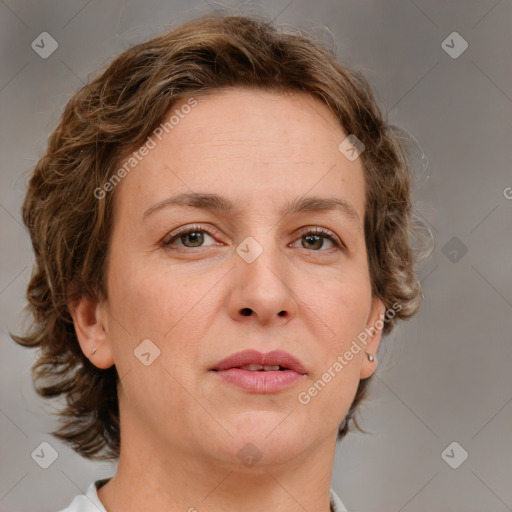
[[445, 375]]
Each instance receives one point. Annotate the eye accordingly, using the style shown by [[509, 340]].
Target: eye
[[194, 237], [189, 237], [314, 238]]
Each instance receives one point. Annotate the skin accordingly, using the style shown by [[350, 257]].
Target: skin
[[181, 425]]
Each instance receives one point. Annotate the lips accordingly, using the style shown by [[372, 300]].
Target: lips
[[261, 362], [254, 372]]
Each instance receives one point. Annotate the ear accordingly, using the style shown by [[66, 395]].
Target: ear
[[374, 327], [91, 327]]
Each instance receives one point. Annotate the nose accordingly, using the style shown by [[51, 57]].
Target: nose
[[262, 291]]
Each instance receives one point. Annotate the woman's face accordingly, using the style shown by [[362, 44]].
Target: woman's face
[[189, 294]]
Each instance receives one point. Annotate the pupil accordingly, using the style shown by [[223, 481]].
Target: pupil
[[317, 239], [195, 237]]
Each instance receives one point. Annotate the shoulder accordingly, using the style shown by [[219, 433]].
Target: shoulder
[[88, 502]]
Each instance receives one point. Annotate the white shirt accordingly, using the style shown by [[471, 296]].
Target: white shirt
[[89, 502]]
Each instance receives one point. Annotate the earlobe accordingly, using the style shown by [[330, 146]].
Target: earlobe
[[89, 319], [374, 330]]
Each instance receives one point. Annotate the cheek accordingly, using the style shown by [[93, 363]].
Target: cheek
[[332, 387], [341, 303], [164, 307], [161, 302], [331, 390]]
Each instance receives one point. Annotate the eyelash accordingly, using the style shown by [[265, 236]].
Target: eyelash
[[167, 241]]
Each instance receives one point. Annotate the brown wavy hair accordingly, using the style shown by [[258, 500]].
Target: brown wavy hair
[[113, 115]]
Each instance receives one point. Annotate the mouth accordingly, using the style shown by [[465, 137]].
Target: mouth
[[262, 368], [254, 361], [261, 373]]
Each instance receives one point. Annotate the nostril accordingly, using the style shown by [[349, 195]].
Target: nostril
[[246, 311]]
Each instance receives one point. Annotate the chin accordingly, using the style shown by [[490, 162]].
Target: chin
[[264, 436]]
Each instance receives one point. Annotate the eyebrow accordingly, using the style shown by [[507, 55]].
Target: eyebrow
[[216, 203]]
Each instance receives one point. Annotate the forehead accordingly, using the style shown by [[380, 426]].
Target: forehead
[[261, 123], [250, 145]]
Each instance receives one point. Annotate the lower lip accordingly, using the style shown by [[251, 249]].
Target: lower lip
[[261, 381]]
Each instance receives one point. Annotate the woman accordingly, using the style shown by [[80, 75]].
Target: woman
[[221, 225]]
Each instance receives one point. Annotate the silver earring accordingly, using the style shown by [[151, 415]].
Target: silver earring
[[371, 357], [93, 351]]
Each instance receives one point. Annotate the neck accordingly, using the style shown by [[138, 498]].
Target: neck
[[176, 478]]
